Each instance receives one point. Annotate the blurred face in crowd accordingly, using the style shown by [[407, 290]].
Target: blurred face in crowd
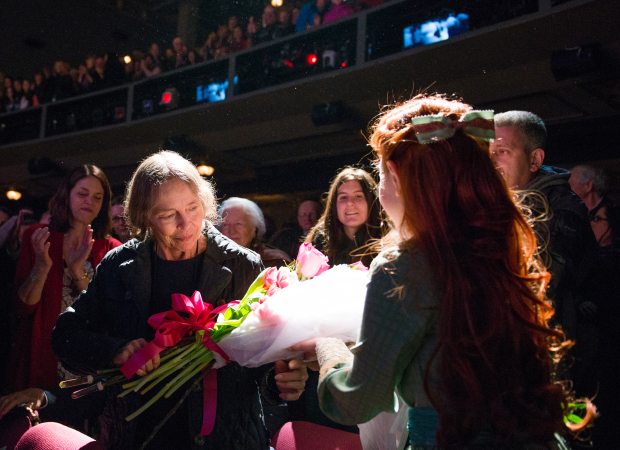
[[308, 215], [232, 23], [17, 86], [237, 226], [238, 34], [269, 15], [601, 228], [8, 82], [99, 63], [176, 218], [118, 223], [177, 45], [320, 4], [352, 207], [86, 199], [511, 159], [45, 218], [90, 62], [154, 50], [38, 79], [26, 85]]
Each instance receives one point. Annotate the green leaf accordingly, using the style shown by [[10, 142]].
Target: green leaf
[[575, 419]]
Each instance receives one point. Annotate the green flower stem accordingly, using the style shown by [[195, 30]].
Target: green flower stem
[[175, 352], [197, 368], [194, 348], [147, 404], [101, 372], [164, 375]]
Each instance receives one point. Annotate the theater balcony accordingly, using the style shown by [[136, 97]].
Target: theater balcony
[[283, 116]]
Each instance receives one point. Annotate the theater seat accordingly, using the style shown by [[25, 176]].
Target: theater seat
[[54, 436], [308, 436]]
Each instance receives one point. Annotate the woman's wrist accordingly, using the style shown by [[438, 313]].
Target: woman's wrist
[[39, 272]]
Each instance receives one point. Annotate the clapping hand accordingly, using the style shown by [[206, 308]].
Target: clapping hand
[[32, 397], [76, 252], [41, 247]]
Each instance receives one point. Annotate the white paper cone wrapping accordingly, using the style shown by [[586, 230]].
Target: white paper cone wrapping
[[330, 305]]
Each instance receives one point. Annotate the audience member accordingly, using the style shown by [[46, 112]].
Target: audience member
[[311, 14], [289, 238], [61, 83], [244, 223], [119, 222], [55, 265], [589, 184], [239, 42], [114, 70], [180, 56], [285, 25], [337, 11], [40, 87], [269, 29], [148, 66], [570, 248], [158, 61]]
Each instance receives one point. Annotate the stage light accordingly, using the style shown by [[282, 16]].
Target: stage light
[[170, 98], [13, 195], [276, 3], [344, 64], [311, 59], [127, 59], [205, 170]]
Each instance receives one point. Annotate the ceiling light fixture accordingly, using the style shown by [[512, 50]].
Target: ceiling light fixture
[[13, 195]]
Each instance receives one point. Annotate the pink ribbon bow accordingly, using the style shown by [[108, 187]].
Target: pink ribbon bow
[[171, 327]]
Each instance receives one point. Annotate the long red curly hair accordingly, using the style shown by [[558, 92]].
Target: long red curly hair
[[493, 351]]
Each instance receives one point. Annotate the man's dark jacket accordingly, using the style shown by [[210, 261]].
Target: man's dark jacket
[[115, 309], [569, 245]]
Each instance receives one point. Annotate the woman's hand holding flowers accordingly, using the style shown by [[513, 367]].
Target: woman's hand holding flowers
[[291, 378], [133, 347], [309, 348]]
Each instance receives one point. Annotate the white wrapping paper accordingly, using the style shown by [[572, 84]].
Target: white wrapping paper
[[330, 305]]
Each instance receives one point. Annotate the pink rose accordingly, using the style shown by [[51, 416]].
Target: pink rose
[[272, 290], [359, 266], [286, 277], [310, 261], [271, 278], [266, 315]]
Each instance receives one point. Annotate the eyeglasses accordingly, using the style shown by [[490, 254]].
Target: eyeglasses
[[118, 219], [599, 219]]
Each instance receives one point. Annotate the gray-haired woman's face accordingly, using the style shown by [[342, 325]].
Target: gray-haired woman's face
[[236, 225], [176, 219]]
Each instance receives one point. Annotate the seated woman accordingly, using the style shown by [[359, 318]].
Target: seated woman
[[455, 314], [56, 263], [351, 221], [244, 223], [170, 210]]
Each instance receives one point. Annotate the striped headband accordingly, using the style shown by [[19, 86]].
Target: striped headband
[[430, 129]]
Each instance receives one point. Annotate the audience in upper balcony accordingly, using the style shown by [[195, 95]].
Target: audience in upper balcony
[[311, 14], [97, 72], [337, 11]]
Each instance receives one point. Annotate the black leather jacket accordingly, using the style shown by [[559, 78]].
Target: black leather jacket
[[114, 310]]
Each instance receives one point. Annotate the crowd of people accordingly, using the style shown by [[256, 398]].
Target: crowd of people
[[481, 257], [97, 72]]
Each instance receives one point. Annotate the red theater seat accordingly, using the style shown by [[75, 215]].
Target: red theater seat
[[308, 436]]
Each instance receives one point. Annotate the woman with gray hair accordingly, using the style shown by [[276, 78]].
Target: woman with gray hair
[[170, 210], [244, 223]]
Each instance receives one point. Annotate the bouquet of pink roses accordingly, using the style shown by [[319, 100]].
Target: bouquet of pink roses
[[282, 307]]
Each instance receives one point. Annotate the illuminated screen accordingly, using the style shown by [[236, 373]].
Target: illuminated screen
[[436, 30], [213, 92]]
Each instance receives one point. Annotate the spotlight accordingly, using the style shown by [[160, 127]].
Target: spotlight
[[311, 59], [13, 195], [276, 3], [127, 59]]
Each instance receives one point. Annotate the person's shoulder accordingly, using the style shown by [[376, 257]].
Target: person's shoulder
[[398, 263], [274, 253], [221, 248], [123, 252]]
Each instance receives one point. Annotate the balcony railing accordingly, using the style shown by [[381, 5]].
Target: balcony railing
[[397, 26]]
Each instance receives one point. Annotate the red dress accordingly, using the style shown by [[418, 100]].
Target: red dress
[[33, 363]]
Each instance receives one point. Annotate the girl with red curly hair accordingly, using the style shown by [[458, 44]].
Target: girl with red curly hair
[[455, 319]]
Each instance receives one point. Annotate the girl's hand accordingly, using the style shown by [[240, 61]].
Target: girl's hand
[[309, 348], [77, 253], [291, 378], [133, 347], [41, 247]]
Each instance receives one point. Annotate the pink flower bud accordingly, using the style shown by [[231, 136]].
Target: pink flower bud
[[359, 266], [286, 277], [271, 278], [310, 261]]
